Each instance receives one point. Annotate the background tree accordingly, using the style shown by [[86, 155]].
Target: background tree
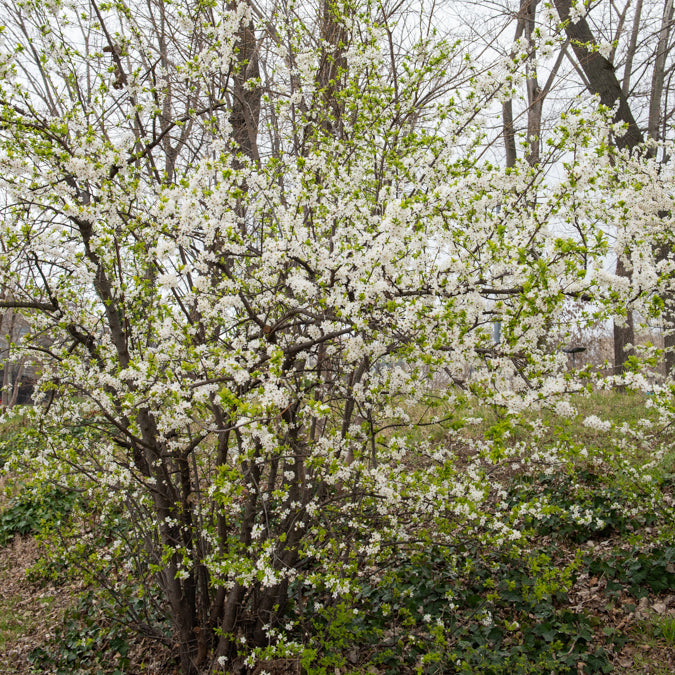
[[12, 327], [613, 49], [651, 47]]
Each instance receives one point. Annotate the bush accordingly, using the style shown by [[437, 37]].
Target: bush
[[34, 511]]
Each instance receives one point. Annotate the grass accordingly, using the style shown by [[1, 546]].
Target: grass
[[17, 621], [651, 648], [493, 422], [667, 465], [12, 624], [663, 628], [618, 407]]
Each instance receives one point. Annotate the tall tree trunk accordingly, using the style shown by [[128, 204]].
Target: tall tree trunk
[[602, 80], [658, 74], [535, 98], [332, 66], [600, 75], [623, 334], [509, 133], [535, 94], [507, 107], [245, 114], [632, 47], [653, 131], [17, 385], [244, 118]]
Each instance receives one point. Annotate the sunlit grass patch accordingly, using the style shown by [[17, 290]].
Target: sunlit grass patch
[[12, 624], [663, 628]]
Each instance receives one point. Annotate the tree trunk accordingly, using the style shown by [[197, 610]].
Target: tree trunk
[[601, 80], [509, 133], [653, 131], [658, 74], [600, 75], [535, 99], [507, 107], [17, 385], [245, 114], [623, 334], [332, 68], [630, 55]]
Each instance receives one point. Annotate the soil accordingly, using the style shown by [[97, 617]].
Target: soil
[[29, 612]]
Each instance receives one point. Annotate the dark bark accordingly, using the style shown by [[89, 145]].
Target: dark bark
[[601, 80], [632, 48], [231, 613], [332, 67], [509, 133], [658, 74], [653, 131], [600, 75], [507, 108], [623, 334], [181, 594], [18, 304], [245, 114], [535, 99]]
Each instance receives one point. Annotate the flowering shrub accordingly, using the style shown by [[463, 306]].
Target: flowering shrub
[[251, 279]]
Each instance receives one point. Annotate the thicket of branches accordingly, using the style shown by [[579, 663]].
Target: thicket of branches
[[246, 240]]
